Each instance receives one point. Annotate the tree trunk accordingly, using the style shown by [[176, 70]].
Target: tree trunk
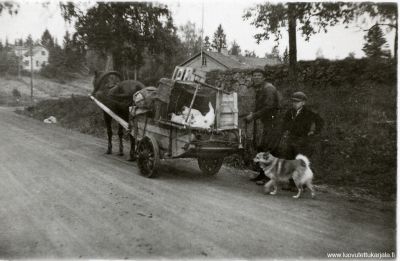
[[135, 74], [109, 62], [292, 44], [395, 42]]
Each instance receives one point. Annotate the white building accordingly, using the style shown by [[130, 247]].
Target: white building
[[40, 57]]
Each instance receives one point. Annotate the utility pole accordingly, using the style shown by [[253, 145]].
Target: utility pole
[[19, 61], [202, 32], [31, 53]]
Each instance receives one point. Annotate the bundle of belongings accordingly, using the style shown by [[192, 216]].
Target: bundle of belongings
[[166, 100], [144, 99], [194, 118], [50, 120]]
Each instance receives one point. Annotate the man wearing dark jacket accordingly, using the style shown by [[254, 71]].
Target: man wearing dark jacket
[[267, 104], [300, 125]]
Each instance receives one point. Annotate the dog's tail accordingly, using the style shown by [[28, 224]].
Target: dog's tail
[[303, 159]]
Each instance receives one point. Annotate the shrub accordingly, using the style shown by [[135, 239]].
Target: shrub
[[16, 94]]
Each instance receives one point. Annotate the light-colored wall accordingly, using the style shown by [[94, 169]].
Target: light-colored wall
[[211, 65], [39, 59]]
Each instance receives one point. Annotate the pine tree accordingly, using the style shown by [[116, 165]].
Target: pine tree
[[275, 53], [374, 43], [219, 40], [7, 46], [207, 44], [235, 49], [29, 41], [47, 40], [286, 56]]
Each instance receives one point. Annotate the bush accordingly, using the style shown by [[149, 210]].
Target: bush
[[16, 94], [59, 73]]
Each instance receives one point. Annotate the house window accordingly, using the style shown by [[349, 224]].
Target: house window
[[203, 61], [37, 63], [43, 53], [26, 63], [43, 64]]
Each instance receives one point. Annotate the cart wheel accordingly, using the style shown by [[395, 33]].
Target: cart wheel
[[210, 166], [148, 157]]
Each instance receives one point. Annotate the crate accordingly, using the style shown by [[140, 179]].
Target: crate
[[227, 111]]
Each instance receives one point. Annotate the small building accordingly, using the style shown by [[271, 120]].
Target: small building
[[40, 57], [206, 61]]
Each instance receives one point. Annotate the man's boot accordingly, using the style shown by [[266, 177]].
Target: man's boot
[[261, 179]]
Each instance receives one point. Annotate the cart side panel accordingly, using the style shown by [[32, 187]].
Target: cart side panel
[[179, 138]]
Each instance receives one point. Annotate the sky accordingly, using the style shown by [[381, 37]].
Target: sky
[[33, 18]]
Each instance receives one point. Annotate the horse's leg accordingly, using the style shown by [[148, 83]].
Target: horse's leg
[[121, 142], [107, 120], [132, 154]]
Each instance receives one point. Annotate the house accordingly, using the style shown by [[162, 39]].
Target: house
[[206, 61], [40, 57]]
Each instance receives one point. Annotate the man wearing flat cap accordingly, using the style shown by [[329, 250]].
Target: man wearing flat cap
[[267, 104], [300, 125]]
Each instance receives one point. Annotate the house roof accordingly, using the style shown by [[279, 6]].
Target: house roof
[[37, 49], [233, 61], [25, 50], [254, 62]]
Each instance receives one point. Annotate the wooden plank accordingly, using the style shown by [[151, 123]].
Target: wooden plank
[[228, 114], [217, 110]]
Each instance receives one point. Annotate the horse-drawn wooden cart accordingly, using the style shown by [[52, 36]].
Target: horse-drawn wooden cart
[[157, 137]]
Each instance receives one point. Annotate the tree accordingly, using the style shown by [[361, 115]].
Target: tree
[[319, 54], [374, 43], [248, 53], [11, 7], [29, 41], [351, 55], [47, 40], [20, 42], [191, 38], [235, 49], [124, 31], [8, 62], [219, 40], [207, 44], [72, 57], [311, 17], [275, 53], [387, 16], [285, 57]]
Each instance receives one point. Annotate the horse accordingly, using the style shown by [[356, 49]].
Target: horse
[[117, 95]]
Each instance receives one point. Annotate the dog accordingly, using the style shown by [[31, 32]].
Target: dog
[[282, 170]]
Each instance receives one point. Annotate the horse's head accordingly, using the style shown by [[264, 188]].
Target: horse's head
[[104, 81]]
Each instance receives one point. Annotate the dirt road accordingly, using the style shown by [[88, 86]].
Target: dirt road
[[61, 197]]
